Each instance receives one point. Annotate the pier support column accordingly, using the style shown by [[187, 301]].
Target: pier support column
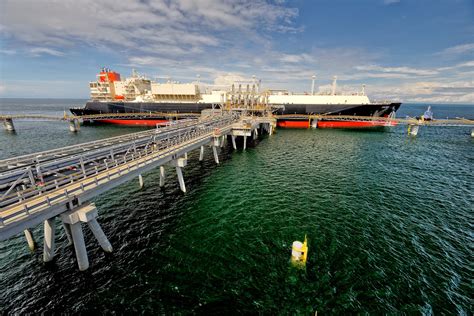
[[413, 130], [472, 133], [86, 213], [74, 125], [140, 180], [255, 134], [270, 129], [201, 153], [30, 240], [234, 145], [245, 142], [80, 246], [162, 176], [179, 164], [49, 240], [223, 138], [99, 235], [8, 124], [216, 157], [179, 172]]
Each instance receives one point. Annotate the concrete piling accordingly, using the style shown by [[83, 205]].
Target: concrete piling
[[179, 172], [30, 240], [86, 213], [74, 125], [234, 145], [162, 176], [413, 129], [216, 157], [140, 181], [80, 246], [8, 124], [49, 240], [99, 235], [201, 153], [245, 142]]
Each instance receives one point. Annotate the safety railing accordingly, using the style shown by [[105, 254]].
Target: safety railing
[[62, 188]]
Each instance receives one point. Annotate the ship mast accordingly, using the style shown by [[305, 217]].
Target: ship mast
[[334, 85]]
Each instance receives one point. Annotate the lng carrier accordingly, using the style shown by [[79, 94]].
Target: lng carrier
[[138, 94]]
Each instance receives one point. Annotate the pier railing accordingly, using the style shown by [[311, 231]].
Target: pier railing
[[39, 185]]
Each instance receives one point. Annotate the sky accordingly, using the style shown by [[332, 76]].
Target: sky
[[404, 50]]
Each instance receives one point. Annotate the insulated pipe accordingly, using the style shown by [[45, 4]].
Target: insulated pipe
[[49, 234]]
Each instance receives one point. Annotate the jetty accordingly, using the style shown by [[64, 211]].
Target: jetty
[[59, 184]]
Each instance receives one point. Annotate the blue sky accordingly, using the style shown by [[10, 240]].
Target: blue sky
[[408, 50]]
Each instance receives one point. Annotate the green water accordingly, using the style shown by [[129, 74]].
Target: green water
[[389, 221]]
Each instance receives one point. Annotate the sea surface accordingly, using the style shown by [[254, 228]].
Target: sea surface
[[389, 220]]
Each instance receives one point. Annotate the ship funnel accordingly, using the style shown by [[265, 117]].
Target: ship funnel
[[334, 85]]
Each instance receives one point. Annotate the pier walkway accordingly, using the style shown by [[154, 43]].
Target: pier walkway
[[36, 188]]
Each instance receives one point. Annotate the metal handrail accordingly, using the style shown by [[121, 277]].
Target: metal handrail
[[130, 160]]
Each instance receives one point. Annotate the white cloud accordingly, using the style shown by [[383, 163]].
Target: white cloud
[[230, 78], [8, 51], [295, 58], [159, 26], [38, 51], [458, 49], [401, 70]]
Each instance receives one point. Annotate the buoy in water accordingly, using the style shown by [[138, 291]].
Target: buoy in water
[[299, 253]]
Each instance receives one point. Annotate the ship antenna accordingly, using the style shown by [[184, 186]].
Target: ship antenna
[[334, 85], [363, 89], [312, 84]]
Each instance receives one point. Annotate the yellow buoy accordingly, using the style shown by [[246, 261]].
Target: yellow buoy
[[299, 252]]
